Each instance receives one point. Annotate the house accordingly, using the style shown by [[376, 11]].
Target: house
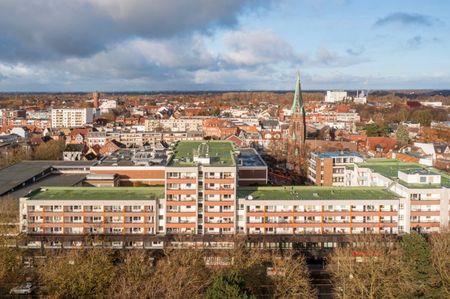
[[380, 146], [111, 147], [21, 132], [73, 152]]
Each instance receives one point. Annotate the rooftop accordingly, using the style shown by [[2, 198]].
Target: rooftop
[[250, 157], [149, 155], [339, 154], [192, 153], [314, 192], [91, 193], [14, 175], [390, 167]]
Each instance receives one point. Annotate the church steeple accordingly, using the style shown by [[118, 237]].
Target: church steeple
[[297, 131], [297, 103]]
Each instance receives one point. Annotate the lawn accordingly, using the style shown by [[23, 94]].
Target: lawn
[[92, 193], [220, 152], [313, 192]]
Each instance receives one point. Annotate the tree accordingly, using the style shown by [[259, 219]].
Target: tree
[[440, 258], [229, 285], [371, 267], [85, 273], [251, 265], [291, 278], [424, 117], [402, 135], [133, 276], [9, 256], [180, 274], [372, 130], [9, 260], [417, 256], [51, 150]]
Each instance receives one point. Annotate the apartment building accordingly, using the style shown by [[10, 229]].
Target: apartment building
[[58, 211], [201, 180], [203, 198], [329, 168], [423, 192], [174, 124], [335, 96], [289, 210], [72, 117]]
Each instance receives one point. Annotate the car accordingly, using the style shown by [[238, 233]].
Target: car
[[24, 289]]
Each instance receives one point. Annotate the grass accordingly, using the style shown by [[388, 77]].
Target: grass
[[92, 193], [314, 192], [389, 168], [220, 152]]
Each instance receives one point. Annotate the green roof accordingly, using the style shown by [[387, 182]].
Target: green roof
[[221, 153], [314, 192], [390, 167], [92, 193]]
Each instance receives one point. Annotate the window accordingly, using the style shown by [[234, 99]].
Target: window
[[423, 179]]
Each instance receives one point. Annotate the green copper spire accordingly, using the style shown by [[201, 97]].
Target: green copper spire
[[297, 104]]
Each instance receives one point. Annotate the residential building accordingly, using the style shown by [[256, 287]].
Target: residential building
[[72, 117], [335, 96], [329, 168]]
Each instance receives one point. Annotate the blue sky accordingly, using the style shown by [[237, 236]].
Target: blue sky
[[113, 45]]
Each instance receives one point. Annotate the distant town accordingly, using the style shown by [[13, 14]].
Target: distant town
[[196, 170]]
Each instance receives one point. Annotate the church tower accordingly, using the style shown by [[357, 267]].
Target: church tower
[[297, 131]]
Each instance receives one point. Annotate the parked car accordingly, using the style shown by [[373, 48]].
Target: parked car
[[24, 289]]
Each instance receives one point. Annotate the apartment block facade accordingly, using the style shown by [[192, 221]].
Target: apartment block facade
[[72, 117], [201, 197], [329, 169]]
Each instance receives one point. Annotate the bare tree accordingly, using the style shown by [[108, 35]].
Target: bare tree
[[83, 273], [180, 274], [291, 278], [372, 267], [440, 257]]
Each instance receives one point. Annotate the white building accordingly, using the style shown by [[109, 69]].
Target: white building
[[335, 96], [360, 98], [106, 105], [72, 117], [347, 117]]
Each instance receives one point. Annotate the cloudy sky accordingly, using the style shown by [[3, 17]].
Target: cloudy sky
[[141, 45]]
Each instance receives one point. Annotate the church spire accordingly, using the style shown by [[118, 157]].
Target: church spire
[[297, 104]]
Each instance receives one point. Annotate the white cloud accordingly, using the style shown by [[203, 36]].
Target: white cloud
[[249, 48]]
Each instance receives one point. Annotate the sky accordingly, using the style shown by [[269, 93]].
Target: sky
[[157, 45]]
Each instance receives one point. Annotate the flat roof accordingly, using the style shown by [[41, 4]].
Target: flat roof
[[250, 157], [339, 154], [390, 167], [313, 192], [96, 193], [144, 156], [16, 174], [220, 153]]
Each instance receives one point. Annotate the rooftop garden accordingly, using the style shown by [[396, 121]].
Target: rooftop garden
[[313, 192], [93, 193], [220, 153]]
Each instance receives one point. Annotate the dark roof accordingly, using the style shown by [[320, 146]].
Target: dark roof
[[74, 148]]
